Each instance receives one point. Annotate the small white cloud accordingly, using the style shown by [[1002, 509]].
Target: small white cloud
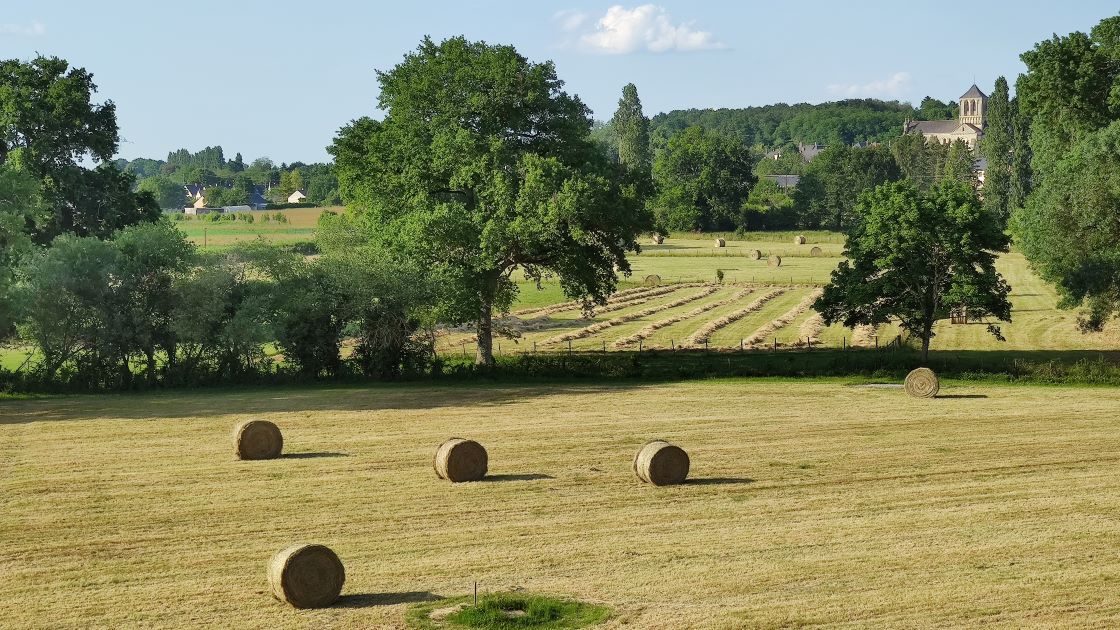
[[892, 86], [569, 19], [644, 28], [35, 29]]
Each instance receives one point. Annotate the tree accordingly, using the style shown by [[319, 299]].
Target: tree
[[20, 205], [959, 164], [834, 180], [48, 125], [933, 109], [632, 129], [236, 165], [481, 166], [296, 180], [997, 147], [704, 178], [1068, 229], [286, 187], [1021, 184], [168, 194], [914, 256]]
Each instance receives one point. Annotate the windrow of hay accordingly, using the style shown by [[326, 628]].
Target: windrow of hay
[[705, 333], [306, 576], [922, 383], [661, 463], [459, 460], [863, 336], [764, 333], [629, 295], [811, 328], [648, 331], [646, 297], [629, 317]]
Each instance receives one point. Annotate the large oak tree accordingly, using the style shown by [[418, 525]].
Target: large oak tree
[[483, 166]]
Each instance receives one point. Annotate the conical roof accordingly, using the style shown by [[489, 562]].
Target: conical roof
[[974, 92]]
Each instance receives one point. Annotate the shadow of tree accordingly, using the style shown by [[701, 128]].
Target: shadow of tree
[[521, 477], [718, 481], [367, 600], [950, 396], [313, 455]]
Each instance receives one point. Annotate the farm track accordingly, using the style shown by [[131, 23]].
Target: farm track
[[705, 332], [601, 326]]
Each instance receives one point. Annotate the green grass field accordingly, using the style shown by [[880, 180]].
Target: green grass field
[[216, 235], [810, 503]]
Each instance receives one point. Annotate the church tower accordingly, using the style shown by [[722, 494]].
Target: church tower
[[974, 108]]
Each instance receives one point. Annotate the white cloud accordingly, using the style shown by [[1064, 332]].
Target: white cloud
[[35, 29], [644, 28], [892, 86], [569, 19]]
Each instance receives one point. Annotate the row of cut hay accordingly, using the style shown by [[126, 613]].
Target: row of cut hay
[[642, 299], [629, 317], [811, 328], [707, 330], [762, 334], [615, 302], [564, 306], [863, 336], [648, 331]]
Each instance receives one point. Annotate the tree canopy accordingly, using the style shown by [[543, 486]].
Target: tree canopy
[[483, 166], [704, 177]]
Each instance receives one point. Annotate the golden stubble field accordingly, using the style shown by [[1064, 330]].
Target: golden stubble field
[[811, 502]]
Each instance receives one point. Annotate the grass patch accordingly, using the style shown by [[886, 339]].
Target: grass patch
[[508, 611]]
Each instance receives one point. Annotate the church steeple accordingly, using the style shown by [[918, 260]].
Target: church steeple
[[974, 107]]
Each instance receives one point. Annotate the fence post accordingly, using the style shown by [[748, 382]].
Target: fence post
[[671, 345], [705, 345], [464, 344], [534, 347], [775, 343], [569, 347], [604, 346], [741, 344], [639, 346]]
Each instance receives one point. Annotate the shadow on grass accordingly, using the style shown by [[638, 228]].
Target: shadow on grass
[[367, 600], [718, 481], [951, 396], [313, 455], [522, 477]]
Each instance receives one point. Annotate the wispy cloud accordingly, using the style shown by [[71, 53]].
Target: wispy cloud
[[892, 86], [645, 28], [34, 29]]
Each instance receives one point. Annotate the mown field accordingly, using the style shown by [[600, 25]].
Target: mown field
[[815, 504], [215, 235]]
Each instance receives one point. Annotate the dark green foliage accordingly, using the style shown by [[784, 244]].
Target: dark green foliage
[[827, 193], [1069, 228], [703, 178], [632, 129], [482, 166], [926, 164], [997, 146], [20, 205], [167, 193], [933, 109], [914, 256], [841, 122], [510, 611]]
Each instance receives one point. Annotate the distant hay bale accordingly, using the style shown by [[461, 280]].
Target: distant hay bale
[[658, 239], [816, 251], [799, 240], [774, 261], [306, 576], [721, 243], [257, 439], [653, 280], [755, 254], [461, 460], [661, 463], [922, 383]]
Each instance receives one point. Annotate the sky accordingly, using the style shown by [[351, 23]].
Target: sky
[[277, 79]]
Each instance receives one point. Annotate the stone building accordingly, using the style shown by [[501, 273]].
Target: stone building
[[969, 125]]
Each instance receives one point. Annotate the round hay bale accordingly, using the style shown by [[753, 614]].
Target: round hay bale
[[257, 439], [922, 383], [816, 251], [774, 261], [755, 254], [653, 280], [658, 239], [799, 240], [721, 243], [306, 576], [461, 460], [661, 463]]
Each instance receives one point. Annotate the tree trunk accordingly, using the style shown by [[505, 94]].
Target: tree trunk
[[150, 353], [927, 332], [485, 352]]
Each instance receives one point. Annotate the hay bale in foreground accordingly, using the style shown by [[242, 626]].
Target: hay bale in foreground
[[922, 383], [661, 463], [306, 576], [658, 239], [257, 439], [755, 254], [720, 243], [461, 460], [653, 280], [799, 240], [774, 261], [816, 251]]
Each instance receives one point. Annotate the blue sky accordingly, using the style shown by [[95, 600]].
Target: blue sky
[[278, 78]]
